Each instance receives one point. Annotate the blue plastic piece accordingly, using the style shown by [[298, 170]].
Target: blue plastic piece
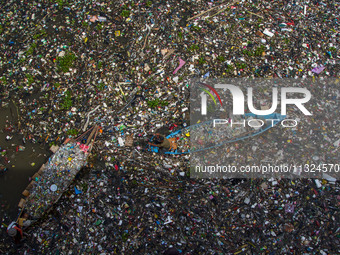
[[77, 191]]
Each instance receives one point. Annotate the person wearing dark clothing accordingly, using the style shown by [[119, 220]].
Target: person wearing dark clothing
[[161, 142], [171, 251]]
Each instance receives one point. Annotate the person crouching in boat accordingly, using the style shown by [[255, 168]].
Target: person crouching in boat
[[161, 142], [15, 231]]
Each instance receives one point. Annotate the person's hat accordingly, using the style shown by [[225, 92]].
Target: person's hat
[[12, 232]]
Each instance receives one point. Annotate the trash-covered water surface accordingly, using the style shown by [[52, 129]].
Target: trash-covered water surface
[[126, 66]]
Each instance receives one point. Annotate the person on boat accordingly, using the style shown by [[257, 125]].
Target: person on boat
[[171, 251], [15, 231], [24, 222], [161, 142]]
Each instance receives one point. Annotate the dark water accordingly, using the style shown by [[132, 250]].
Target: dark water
[[14, 181]]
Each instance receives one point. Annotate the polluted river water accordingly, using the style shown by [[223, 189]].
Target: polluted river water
[[21, 165]]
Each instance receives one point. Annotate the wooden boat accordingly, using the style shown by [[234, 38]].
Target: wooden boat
[[180, 140], [55, 176]]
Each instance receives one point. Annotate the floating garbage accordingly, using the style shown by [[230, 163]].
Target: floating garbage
[[69, 65]]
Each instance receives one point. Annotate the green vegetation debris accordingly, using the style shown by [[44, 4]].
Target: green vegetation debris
[[66, 62]]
